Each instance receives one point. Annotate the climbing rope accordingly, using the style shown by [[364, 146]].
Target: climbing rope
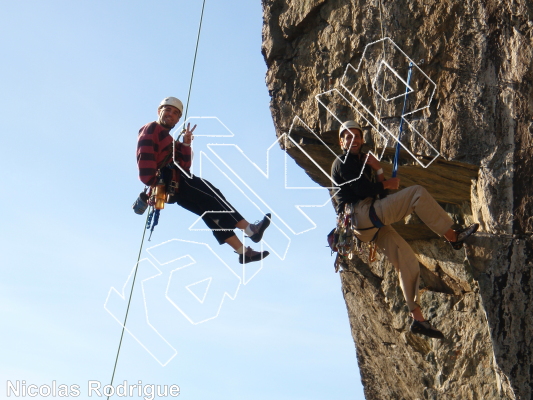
[[397, 153], [194, 61], [192, 75], [381, 101], [155, 215], [381, 22], [398, 145], [129, 302]]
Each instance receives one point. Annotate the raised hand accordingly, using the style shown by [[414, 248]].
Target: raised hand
[[188, 136], [373, 162]]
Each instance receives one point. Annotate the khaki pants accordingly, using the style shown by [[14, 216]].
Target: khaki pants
[[394, 208]]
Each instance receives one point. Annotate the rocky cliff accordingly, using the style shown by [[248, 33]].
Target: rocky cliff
[[468, 140]]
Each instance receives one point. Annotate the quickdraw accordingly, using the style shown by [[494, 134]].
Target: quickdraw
[[156, 201], [343, 239], [348, 244], [152, 221]]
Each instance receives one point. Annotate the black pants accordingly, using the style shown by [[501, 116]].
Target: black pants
[[199, 196]]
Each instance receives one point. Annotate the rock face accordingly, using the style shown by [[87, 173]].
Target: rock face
[[472, 84]]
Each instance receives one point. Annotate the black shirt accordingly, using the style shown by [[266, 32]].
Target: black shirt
[[360, 186]]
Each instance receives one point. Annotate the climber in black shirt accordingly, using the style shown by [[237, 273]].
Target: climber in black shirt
[[360, 178]]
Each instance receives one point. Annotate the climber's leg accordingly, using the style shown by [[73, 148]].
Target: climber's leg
[[417, 314], [416, 198], [400, 254]]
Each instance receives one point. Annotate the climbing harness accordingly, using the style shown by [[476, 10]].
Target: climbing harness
[[398, 145], [343, 238], [374, 217]]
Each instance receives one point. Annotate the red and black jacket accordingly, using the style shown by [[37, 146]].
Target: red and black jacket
[[154, 151]]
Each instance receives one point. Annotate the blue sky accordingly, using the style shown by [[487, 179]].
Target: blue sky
[[78, 81]]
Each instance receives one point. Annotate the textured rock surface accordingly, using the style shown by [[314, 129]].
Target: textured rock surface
[[479, 54]]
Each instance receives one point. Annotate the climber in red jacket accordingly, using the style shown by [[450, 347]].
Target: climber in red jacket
[[374, 212], [155, 149]]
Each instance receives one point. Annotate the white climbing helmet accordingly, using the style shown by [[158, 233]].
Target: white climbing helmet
[[172, 101], [349, 125]]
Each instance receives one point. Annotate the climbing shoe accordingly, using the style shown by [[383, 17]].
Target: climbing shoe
[[251, 255], [259, 227], [462, 235], [425, 328]]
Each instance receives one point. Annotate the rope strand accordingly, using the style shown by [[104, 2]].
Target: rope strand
[[194, 62], [129, 302], [384, 75], [156, 216]]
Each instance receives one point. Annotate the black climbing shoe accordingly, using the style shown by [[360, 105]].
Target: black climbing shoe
[[251, 255], [462, 235], [259, 227], [425, 328]]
